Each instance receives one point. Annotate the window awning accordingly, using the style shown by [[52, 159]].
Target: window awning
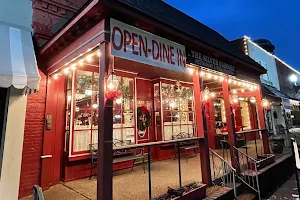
[[18, 66], [273, 92]]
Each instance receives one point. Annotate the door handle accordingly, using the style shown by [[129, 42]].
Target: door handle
[[46, 156]]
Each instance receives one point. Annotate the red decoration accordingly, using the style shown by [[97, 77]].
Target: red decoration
[[235, 106], [206, 107], [112, 94]]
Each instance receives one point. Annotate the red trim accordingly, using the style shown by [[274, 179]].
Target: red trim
[[71, 52], [70, 24]]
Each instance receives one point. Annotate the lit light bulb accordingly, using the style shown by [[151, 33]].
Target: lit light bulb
[[242, 90], [172, 104], [229, 80], [234, 82], [201, 73], [221, 78], [241, 98], [73, 66], [239, 83], [118, 101], [215, 77], [77, 109], [95, 105], [66, 70], [98, 53], [209, 75], [110, 86], [190, 70], [55, 76], [212, 94], [89, 58], [81, 62], [69, 97], [233, 91]]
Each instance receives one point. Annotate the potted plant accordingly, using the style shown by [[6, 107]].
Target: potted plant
[[277, 143]]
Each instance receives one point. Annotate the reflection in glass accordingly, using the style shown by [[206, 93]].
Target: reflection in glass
[[84, 80], [82, 120]]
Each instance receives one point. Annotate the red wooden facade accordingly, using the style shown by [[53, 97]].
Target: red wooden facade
[[59, 161]]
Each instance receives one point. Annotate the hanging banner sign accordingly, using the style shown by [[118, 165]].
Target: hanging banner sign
[[203, 60], [135, 44]]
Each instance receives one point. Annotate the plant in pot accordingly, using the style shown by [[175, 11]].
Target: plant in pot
[[277, 142]]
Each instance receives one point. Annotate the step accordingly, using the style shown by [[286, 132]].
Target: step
[[246, 196], [219, 193]]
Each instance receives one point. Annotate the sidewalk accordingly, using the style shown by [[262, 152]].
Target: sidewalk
[[286, 190], [60, 191]]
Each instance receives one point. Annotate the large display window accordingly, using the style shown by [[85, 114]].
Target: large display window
[[174, 104], [82, 111]]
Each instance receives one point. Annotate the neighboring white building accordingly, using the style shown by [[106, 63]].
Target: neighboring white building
[[267, 61], [270, 81], [19, 76]]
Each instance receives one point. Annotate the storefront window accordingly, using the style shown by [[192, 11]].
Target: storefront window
[[220, 115], [246, 123], [178, 111], [123, 113], [82, 111]]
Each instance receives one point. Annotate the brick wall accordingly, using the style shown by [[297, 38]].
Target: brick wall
[[33, 139]]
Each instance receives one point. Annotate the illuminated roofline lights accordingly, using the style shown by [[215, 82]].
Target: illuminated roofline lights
[[287, 65]]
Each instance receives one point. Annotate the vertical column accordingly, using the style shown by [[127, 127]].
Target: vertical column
[[229, 121], [261, 119], [105, 121], [201, 131]]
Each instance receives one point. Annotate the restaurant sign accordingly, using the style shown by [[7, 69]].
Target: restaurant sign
[[135, 44], [203, 60]]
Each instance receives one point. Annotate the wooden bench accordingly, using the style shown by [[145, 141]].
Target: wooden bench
[[185, 146], [118, 156]]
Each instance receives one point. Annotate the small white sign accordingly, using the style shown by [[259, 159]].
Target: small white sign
[[135, 44]]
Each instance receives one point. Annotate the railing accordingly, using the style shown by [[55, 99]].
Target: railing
[[247, 170], [223, 173], [247, 132], [148, 148]]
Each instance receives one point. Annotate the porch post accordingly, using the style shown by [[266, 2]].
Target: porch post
[[105, 124], [261, 119], [204, 151], [229, 122]]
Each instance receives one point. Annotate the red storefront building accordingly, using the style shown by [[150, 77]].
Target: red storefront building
[[168, 66]]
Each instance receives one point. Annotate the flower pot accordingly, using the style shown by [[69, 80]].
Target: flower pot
[[188, 194], [262, 161], [277, 145]]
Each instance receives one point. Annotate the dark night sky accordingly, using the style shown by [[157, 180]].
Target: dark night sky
[[278, 21]]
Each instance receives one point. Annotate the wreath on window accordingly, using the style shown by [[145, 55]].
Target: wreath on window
[[144, 118]]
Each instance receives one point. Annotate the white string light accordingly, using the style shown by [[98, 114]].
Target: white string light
[[88, 58]]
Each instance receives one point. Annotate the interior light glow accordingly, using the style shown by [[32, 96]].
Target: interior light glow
[[98, 53], [118, 101], [201, 73], [252, 99], [88, 92], [95, 105]]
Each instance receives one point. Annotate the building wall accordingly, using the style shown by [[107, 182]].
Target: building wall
[[286, 85], [33, 139], [265, 60], [16, 13]]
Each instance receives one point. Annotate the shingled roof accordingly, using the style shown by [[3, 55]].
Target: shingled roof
[[169, 15]]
